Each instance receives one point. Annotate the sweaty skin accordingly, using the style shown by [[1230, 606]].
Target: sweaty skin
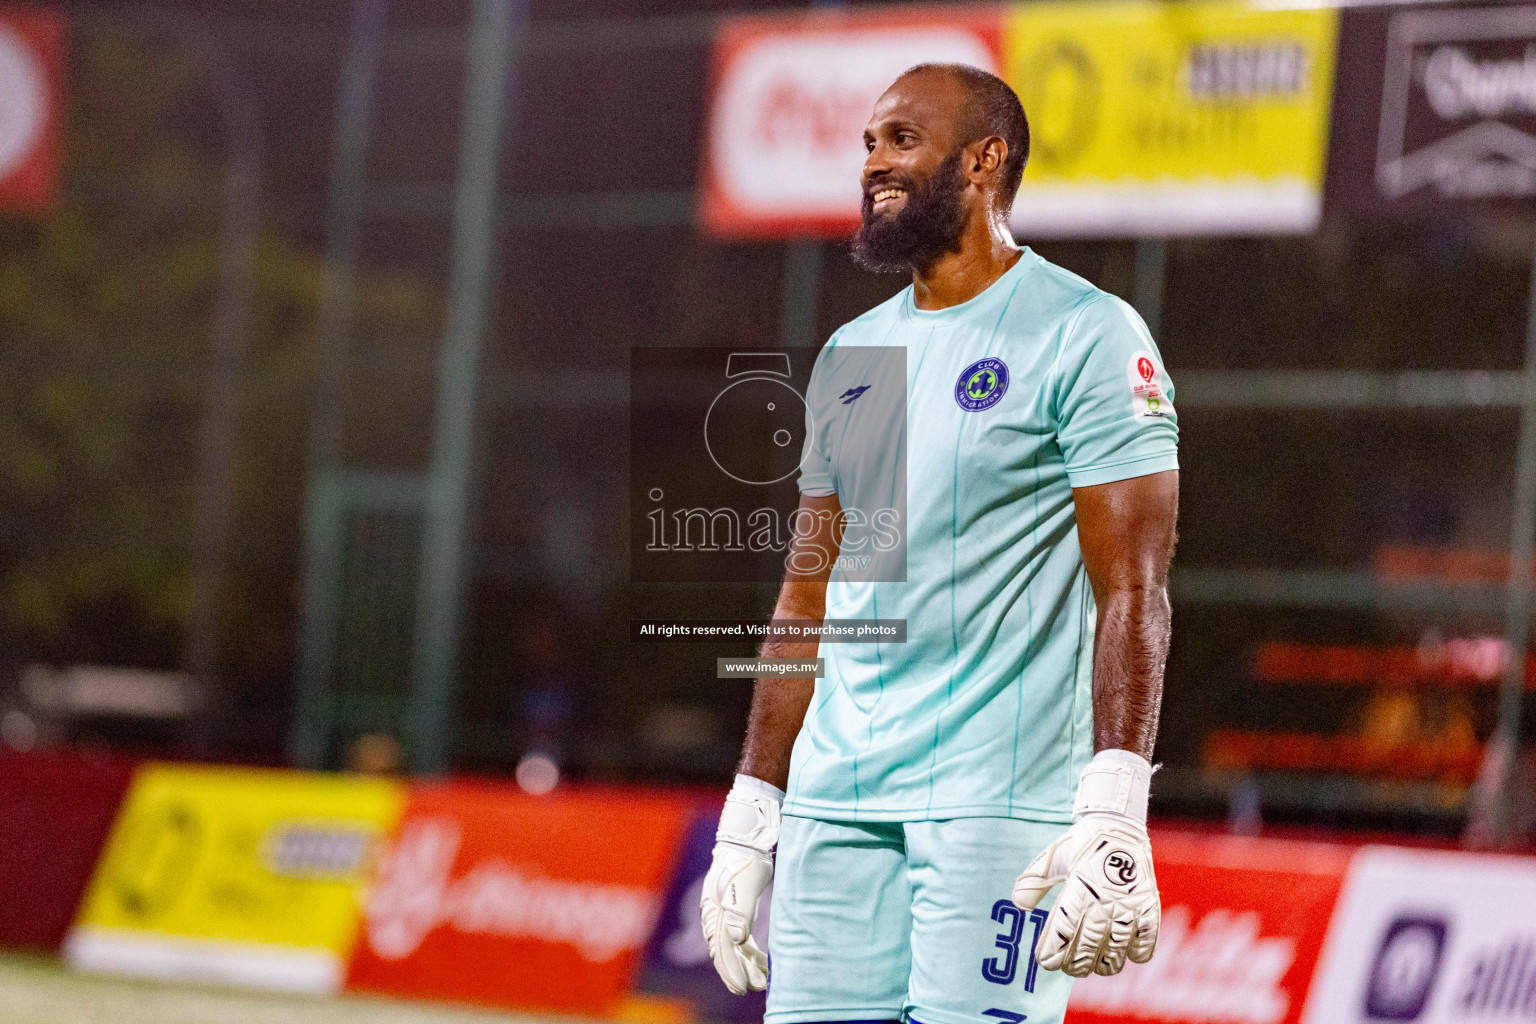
[[1126, 529]]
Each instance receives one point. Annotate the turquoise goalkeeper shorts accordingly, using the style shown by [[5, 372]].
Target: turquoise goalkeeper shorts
[[908, 920]]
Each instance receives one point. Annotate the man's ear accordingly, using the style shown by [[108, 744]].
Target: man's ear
[[985, 159]]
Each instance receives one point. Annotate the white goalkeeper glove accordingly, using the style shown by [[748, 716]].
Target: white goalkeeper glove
[[1109, 910], [742, 869]]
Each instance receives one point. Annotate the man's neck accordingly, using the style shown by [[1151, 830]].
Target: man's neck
[[986, 253]]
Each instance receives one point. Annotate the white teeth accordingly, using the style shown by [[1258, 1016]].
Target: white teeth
[[888, 193]]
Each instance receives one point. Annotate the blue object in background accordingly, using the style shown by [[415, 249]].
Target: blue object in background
[[676, 959]]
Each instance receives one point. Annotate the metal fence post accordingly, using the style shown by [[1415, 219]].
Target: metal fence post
[[1147, 282], [240, 226], [226, 377], [802, 293], [309, 729], [441, 593]]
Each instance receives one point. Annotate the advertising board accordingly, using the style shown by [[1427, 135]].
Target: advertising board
[[790, 98], [1436, 110], [1171, 118], [237, 876], [1146, 118], [677, 964], [1243, 925], [31, 116], [1431, 937], [489, 895], [56, 808]]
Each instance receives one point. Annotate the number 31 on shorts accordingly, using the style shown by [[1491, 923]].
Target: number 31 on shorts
[[1001, 970]]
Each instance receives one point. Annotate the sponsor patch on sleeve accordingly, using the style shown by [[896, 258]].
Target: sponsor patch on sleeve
[[1147, 391]]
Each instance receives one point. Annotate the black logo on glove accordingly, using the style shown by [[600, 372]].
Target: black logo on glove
[[1120, 867]]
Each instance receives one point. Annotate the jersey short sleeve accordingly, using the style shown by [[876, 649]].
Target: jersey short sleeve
[[816, 477], [1113, 400]]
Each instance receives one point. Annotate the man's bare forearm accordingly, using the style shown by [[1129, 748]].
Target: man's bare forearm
[[779, 705], [1130, 652], [778, 710], [1127, 530]]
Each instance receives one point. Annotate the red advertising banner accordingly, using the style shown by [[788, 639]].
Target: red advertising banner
[[31, 107], [791, 96], [492, 896], [1243, 925], [56, 809]]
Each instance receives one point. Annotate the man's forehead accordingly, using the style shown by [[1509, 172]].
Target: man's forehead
[[932, 99]]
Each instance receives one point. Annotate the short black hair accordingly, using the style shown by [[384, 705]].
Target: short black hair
[[994, 110]]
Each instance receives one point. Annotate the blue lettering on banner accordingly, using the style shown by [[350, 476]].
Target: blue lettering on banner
[[1502, 981]]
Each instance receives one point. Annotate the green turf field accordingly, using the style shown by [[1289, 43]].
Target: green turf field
[[38, 990]]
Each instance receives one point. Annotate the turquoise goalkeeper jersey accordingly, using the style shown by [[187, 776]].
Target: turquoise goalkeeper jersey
[[1040, 384]]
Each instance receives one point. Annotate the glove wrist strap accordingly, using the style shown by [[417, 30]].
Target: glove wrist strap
[[752, 815], [1115, 782]]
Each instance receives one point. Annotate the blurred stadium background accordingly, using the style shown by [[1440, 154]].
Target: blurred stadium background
[[315, 319]]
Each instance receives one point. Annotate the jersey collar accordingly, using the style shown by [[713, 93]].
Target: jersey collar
[[987, 300]]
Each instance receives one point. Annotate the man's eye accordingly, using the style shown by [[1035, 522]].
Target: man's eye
[[903, 138]]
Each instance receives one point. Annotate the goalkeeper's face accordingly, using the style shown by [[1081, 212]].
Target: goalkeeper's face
[[916, 201]]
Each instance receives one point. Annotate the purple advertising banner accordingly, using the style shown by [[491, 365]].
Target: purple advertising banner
[[677, 962]]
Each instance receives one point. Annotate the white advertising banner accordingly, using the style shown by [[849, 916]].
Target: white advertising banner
[[785, 147], [1432, 937]]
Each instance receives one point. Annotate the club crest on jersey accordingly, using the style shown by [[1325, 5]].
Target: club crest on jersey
[[982, 384]]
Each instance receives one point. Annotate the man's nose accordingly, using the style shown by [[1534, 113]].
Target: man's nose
[[876, 163]]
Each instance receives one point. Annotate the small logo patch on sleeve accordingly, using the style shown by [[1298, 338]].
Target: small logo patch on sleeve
[[1147, 393]]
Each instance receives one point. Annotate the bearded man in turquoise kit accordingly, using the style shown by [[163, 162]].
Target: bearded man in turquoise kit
[[907, 789]]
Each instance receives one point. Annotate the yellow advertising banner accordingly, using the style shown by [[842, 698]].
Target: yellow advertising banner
[[242, 876], [1152, 118]]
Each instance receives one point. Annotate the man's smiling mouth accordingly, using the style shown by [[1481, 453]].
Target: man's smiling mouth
[[887, 197]]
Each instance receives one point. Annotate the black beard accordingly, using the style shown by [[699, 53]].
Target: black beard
[[926, 227]]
